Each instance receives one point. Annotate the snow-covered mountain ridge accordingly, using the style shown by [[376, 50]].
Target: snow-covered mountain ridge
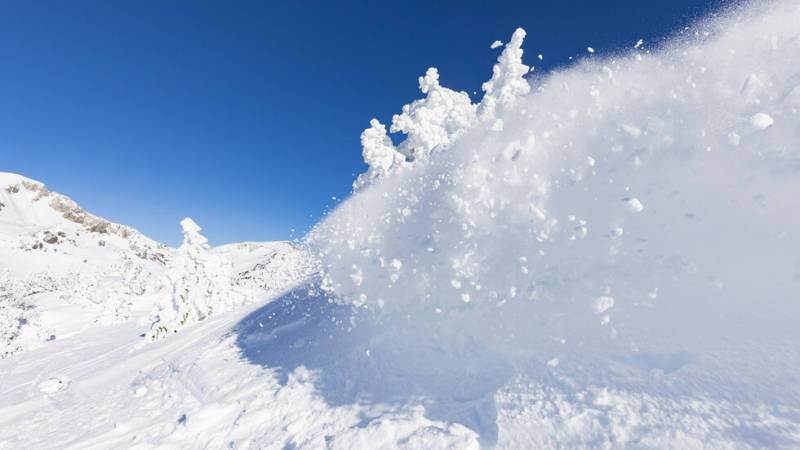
[[40, 229]]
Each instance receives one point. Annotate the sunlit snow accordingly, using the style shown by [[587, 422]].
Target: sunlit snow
[[604, 256]]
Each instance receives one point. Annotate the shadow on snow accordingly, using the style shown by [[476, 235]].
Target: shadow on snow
[[366, 359]]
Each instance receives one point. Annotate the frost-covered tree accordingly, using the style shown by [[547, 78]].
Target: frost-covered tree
[[20, 326], [82, 288], [442, 116], [507, 83], [198, 285], [438, 119], [379, 153]]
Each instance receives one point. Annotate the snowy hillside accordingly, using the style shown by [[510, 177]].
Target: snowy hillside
[[40, 229], [601, 257], [63, 270]]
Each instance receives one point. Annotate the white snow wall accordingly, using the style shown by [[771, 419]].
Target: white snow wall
[[648, 190]]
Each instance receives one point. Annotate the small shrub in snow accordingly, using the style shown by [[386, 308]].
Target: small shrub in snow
[[20, 325]]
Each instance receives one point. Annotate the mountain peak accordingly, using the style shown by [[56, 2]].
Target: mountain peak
[[35, 219]]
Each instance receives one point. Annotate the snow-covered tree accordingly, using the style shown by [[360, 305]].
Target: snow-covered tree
[[198, 285], [507, 83], [379, 152], [82, 288], [442, 116], [438, 119], [20, 325]]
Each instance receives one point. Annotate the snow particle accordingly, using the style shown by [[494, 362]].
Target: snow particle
[[553, 362], [496, 44], [761, 120], [603, 304], [632, 130], [633, 204]]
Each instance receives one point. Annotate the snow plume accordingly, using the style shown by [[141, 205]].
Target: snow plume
[[609, 201], [197, 286]]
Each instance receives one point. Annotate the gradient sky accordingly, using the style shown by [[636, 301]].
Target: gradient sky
[[246, 116]]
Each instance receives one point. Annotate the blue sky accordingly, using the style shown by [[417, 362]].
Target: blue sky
[[246, 116]]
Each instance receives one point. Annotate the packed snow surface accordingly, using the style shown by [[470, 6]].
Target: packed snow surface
[[600, 257]]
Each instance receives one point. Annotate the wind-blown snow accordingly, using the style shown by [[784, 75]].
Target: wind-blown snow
[[545, 226], [600, 257]]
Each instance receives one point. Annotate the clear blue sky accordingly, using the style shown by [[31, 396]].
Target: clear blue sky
[[246, 116]]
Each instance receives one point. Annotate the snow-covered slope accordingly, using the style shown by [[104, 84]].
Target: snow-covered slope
[[602, 257], [44, 230], [63, 270]]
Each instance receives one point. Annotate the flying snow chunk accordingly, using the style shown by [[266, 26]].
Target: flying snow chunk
[[632, 130], [633, 204], [761, 120], [140, 391], [751, 87], [497, 44], [638, 44], [591, 50], [540, 56], [603, 304], [553, 362]]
